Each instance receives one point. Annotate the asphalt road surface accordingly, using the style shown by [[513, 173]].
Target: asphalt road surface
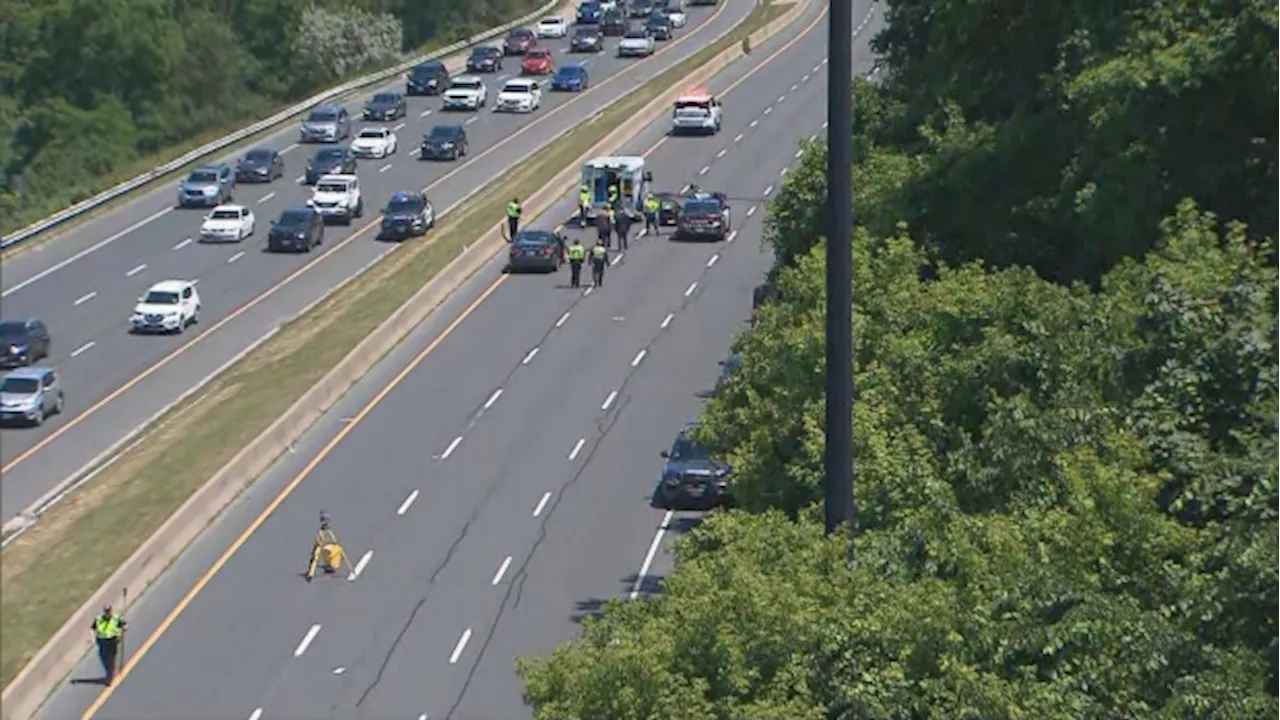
[[500, 489], [115, 381]]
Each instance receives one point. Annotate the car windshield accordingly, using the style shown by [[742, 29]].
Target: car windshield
[[20, 386], [12, 328], [373, 133], [258, 155], [331, 187], [553, 21], [425, 71], [485, 52], [685, 449], [404, 204], [444, 132], [636, 35], [522, 34], [330, 155], [466, 85], [702, 205], [535, 238], [225, 215], [323, 116], [203, 176], [658, 19], [570, 71], [589, 33], [294, 218], [538, 54], [517, 87], [384, 99], [161, 297]]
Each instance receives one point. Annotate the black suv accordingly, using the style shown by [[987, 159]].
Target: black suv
[[407, 214], [612, 24], [444, 142], [485, 59], [703, 216], [331, 161], [429, 78], [298, 229], [659, 26], [386, 106], [23, 342]]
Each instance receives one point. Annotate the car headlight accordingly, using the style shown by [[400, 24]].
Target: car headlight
[[17, 349]]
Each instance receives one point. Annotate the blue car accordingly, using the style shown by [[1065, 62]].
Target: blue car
[[589, 13], [571, 78]]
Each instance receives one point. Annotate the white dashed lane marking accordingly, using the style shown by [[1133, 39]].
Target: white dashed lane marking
[[136, 270], [307, 640], [546, 497], [639, 358], [408, 502], [86, 298], [577, 448], [502, 570], [452, 446]]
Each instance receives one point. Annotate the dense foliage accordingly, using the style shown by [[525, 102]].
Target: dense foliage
[[1067, 490], [90, 87]]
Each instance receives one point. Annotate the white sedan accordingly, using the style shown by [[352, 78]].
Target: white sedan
[[227, 223], [553, 27], [519, 95], [677, 18], [374, 143]]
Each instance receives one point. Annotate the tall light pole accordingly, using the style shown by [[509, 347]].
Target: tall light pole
[[840, 508]]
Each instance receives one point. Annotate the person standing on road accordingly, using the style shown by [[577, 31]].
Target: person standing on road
[[599, 261], [577, 255], [107, 630], [584, 205], [651, 208], [622, 226], [604, 225], [513, 218]]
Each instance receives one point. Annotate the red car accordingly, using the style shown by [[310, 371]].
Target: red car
[[538, 61]]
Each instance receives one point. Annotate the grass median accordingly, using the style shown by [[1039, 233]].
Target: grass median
[[46, 574]]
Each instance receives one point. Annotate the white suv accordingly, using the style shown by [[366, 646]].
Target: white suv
[[337, 197], [168, 307]]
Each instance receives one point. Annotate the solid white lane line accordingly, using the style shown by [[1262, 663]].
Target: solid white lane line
[[653, 550], [689, 291], [541, 504], [452, 446], [83, 253], [704, 169], [768, 190], [751, 211], [359, 568], [564, 317], [731, 237], [613, 395], [721, 153], [136, 270], [86, 297], [493, 398], [398, 128], [256, 714], [799, 154], [404, 506], [639, 358], [82, 349], [713, 260], [502, 570], [384, 168], [737, 138], [235, 257], [666, 321], [462, 645], [183, 244], [577, 448], [529, 358], [266, 197], [306, 640]]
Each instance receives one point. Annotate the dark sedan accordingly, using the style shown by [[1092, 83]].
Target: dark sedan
[[444, 142], [536, 250], [691, 478], [704, 216], [23, 342], [330, 161], [612, 24], [428, 78], [260, 165], [519, 41], [386, 106], [298, 229], [587, 39], [485, 59]]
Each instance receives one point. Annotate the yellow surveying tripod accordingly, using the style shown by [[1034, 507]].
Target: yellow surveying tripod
[[327, 553]]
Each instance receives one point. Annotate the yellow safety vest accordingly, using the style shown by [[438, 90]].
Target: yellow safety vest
[[107, 628], [652, 205], [613, 193], [577, 252], [513, 210], [598, 252], [584, 197], [612, 215]]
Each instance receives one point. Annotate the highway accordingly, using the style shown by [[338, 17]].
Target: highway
[[489, 479], [84, 287]]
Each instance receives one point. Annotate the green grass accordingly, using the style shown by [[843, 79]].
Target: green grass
[[48, 573]]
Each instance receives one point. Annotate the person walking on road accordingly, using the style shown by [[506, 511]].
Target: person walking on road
[[604, 226], [599, 261], [107, 630], [577, 255], [651, 208], [584, 205], [513, 218], [622, 226]]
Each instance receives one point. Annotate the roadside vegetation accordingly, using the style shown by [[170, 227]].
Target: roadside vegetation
[[1066, 398], [97, 91]]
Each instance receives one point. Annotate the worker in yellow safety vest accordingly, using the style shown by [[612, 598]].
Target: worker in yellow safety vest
[[513, 218], [599, 261], [107, 630], [584, 205], [577, 255], [613, 194], [651, 208]]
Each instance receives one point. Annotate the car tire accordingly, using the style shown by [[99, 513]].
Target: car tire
[[59, 404], [38, 420]]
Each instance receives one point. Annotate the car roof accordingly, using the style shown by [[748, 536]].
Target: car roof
[[527, 82], [327, 108], [298, 208], [375, 131], [468, 78], [34, 372], [337, 176], [402, 195], [451, 127], [553, 19], [169, 285], [24, 320], [433, 64], [210, 166], [230, 207]]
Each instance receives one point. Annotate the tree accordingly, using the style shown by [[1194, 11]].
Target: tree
[[336, 43]]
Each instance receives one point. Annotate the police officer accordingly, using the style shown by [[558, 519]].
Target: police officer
[[651, 208], [513, 218], [577, 254], [613, 194], [622, 226], [107, 629], [604, 225], [599, 261], [584, 204]]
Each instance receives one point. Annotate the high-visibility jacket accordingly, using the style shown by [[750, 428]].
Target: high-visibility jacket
[[599, 253], [577, 252], [107, 628], [513, 210], [584, 197], [613, 193], [652, 205], [613, 217]]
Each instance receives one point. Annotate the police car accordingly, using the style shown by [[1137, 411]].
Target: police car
[[407, 214]]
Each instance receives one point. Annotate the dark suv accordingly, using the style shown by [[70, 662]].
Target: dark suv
[[330, 161], [704, 216], [691, 478], [429, 78], [23, 342], [299, 229], [612, 24], [407, 214], [485, 59], [444, 142]]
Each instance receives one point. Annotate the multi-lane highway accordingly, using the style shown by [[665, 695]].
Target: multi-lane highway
[[490, 479], [85, 284]]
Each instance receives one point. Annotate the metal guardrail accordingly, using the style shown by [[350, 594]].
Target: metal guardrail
[[128, 186]]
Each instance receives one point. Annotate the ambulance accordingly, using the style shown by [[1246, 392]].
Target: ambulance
[[625, 172], [696, 111]]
